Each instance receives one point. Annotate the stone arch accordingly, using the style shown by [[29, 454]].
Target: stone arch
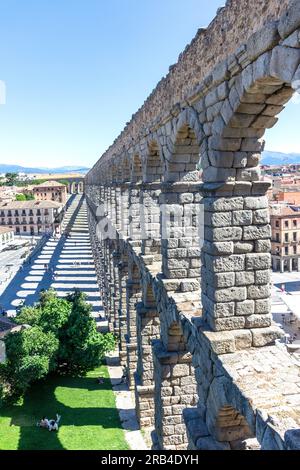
[[137, 169], [175, 384], [148, 330], [126, 170], [175, 338], [119, 169], [113, 172], [229, 417], [153, 171], [231, 425], [133, 297], [256, 98], [182, 151]]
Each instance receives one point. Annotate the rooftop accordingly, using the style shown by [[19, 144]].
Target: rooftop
[[51, 184], [30, 205], [280, 210]]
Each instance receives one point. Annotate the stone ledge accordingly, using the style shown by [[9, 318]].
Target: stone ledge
[[224, 342]]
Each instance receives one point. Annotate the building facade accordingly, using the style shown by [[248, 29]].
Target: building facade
[[6, 236], [285, 223], [50, 191], [289, 196], [31, 217]]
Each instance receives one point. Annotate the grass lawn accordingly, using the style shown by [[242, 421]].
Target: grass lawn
[[90, 420]]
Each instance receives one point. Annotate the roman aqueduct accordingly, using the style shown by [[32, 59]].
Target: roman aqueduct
[[180, 228]]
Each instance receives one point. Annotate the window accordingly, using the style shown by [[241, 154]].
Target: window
[[9, 213], [286, 224], [277, 237], [277, 223], [286, 237], [17, 229], [295, 250], [286, 250], [16, 212], [24, 229], [295, 223], [295, 236], [23, 212]]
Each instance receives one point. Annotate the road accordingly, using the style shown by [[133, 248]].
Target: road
[[63, 264]]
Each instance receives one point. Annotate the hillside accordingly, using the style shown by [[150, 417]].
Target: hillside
[[4, 168]]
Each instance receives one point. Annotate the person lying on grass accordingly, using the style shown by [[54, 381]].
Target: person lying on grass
[[51, 425]]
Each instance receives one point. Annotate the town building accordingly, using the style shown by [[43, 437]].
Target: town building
[[50, 191], [31, 217], [289, 196], [6, 236], [285, 223]]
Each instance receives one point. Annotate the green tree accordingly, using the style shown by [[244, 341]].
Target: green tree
[[62, 333], [24, 197], [30, 356], [82, 348], [11, 178], [28, 316], [20, 197], [54, 315]]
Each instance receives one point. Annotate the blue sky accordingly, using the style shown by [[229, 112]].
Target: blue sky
[[76, 70]]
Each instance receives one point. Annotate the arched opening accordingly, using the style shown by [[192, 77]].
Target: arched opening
[[233, 428], [175, 385], [126, 172], [181, 212], [123, 279], [154, 167], [148, 330], [182, 165], [149, 202], [113, 173], [137, 173], [134, 296], [257, 97]]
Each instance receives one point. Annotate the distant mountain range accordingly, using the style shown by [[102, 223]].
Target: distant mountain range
[[268, 158], [278, 158], [22, 169]]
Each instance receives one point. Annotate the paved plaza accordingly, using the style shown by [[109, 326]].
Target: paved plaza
[[63, 263], [280, 310]]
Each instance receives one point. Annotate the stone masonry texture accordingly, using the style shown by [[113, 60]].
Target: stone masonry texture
[[180, 229]]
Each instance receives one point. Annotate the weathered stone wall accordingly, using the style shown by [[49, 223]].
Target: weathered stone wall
[[214, 378], [231, 28]]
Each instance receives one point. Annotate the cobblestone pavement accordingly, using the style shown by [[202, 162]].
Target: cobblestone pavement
[[64, 264]]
